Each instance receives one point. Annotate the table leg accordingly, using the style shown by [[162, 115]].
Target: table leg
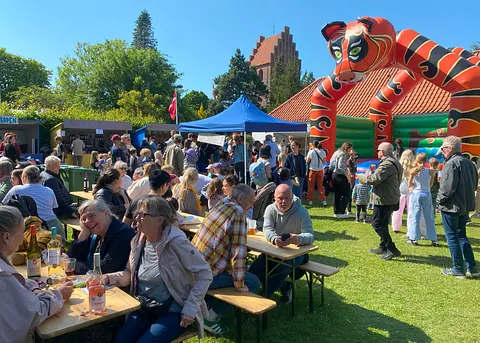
[[293, 288], [310, 290], [265, 290], [321, 292], [258, 329], [238, 325]]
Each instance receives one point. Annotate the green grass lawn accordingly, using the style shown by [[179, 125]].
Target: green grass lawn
[[406, 299]]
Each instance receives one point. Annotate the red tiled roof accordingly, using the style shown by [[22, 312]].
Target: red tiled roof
[[264, 50], [425, 98]]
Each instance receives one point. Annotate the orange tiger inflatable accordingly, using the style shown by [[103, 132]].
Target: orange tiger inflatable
[[369, 44]]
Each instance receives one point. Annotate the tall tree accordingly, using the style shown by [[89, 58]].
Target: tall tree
[[143, 37], [307, 79], [240, 79], [195, 98], [285, 82], [98, 75], [16, 71], [36, 97], [476, 46]]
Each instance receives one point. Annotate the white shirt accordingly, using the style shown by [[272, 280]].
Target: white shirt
[[126, 182], [274, 151], [316, 156], [43, 196], [140, 188]]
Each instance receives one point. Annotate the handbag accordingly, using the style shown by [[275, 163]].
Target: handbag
[[150, 308]]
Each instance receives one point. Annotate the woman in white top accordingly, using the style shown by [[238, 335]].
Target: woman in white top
[[142, 187], [122, 168], [421, 201], [316, 158], [43, 196], [24, 304], [407, 161]]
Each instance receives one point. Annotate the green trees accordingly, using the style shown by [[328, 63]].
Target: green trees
[[240, 79], [143, 37], [285, 82], [307, 79], [16, 71], [195, 98], [100, 74]]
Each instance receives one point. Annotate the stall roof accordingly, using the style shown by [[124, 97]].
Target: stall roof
[[20, 122], [97, 124], [158, 127], [242, 116]]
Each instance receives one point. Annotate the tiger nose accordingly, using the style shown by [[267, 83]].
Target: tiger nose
[[346, 76]]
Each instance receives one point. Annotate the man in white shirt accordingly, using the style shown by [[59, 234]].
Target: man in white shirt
[[316, 157], [77, 147], [274, 151], [172, 135]]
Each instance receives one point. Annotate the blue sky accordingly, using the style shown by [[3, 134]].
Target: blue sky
[[200, 36]]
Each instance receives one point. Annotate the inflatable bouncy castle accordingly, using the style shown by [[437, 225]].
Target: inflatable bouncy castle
[[369, 44]]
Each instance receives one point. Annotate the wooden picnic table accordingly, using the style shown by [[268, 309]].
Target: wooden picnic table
[[82, 195], [193, 226], [259, 243], [74, 223], [69, 319]]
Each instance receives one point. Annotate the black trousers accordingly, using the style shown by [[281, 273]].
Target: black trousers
[[380, 219], [240, 171], [342, 191], [361, 208]]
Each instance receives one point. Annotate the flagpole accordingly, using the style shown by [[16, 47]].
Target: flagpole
[[176, 107]]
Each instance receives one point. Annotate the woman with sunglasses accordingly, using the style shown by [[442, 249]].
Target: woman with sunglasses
[[166, 274]]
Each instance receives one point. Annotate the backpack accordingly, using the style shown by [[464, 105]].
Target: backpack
[[25, 204], [258, 174]]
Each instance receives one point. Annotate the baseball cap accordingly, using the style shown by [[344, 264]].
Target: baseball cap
[[115, 137]]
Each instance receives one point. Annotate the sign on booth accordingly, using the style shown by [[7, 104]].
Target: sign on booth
[[8, 120]]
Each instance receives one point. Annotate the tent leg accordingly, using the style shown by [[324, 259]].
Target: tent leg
[[306, 143], [245, 155]]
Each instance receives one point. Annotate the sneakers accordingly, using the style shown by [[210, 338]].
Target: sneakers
[[378, 251], [412, 242], [435, 244], [388, 255], [349, 213], [364, 221], [474, 273], [215, 327], [341, 216], [310, 203], [450, 272], [286, 291], [324, 203]]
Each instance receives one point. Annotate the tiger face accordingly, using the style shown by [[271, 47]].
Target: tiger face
[[359, 47]]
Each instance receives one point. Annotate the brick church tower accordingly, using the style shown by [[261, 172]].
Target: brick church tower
[[269, 50]]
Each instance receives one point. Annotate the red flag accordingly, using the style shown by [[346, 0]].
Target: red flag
[[172, 109]]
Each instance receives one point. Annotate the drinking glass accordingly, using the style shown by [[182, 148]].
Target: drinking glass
[[251, 226], [68, 265]]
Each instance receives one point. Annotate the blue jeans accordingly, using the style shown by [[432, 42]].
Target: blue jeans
[[224, 280], [141, 330], [422, 202], [276, 280], [298, 190], [454, 225]]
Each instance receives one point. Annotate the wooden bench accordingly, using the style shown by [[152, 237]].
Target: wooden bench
[[243, 301], [253, 255], [189, 333], [317, 272], [74, 223]]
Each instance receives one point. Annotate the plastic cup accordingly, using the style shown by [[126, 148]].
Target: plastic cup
[[251, 226], [58, 279]]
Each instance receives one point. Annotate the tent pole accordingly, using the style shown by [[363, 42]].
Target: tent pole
[[245, 154], [306, 138]]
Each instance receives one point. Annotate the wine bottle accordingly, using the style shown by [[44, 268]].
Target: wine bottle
[[86, 184], [34, 256], [54, 252], [96, 290]]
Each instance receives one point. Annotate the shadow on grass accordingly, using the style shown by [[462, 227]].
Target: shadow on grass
[[328, 260], [439, 261], [330, 236], [332, 218]]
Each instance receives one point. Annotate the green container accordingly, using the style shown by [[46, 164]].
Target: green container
[[73, 177]]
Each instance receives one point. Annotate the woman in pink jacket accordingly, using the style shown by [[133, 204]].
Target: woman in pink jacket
[[164, 271], [24, 304]]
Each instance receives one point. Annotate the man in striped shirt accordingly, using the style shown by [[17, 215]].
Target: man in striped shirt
[[221, 240]]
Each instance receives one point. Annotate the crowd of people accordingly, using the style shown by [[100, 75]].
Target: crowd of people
[[133, 221]]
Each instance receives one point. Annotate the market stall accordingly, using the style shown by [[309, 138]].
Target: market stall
[[28, 133], [95, 134], [160, 131]]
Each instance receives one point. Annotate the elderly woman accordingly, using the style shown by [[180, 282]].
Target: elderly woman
[[142, 187], [43, 196], [122, 168], [109, 189], [164, 268], [24, 305], [101, 232], [185, 192]]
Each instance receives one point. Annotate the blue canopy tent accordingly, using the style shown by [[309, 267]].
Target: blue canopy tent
[[242, 116]]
